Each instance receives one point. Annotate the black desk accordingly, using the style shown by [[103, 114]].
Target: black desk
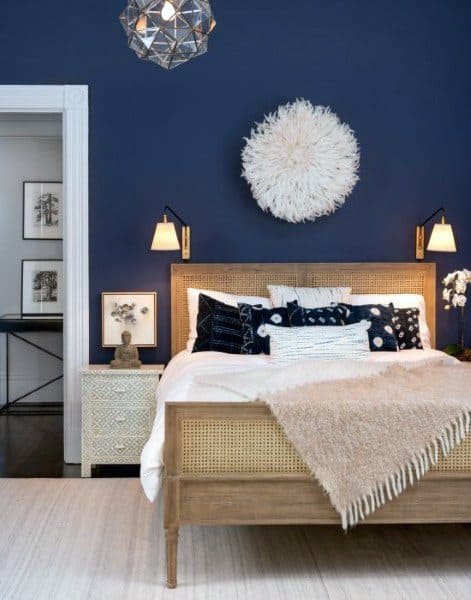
[[13, 326]]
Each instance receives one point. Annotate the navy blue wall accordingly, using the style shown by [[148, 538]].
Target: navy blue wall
[[397, 72]]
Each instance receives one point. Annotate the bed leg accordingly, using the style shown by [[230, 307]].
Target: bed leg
[[172, 551]]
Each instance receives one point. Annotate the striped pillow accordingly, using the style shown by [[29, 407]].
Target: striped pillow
[[322, 343], [314, 297], [218, 327]]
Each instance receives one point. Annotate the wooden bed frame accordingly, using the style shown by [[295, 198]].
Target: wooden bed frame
[[215, 475]]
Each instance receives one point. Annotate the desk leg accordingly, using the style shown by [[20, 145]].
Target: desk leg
[[7, 371]]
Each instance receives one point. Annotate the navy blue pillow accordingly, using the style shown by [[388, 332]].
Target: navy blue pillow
[[305, 317], [381, 333], [218, 327], [254, 318], [406, 328]]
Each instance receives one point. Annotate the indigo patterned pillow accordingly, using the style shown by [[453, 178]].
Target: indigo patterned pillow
[[304, 317], [218, 327], [406, 328], [254, 318], [381, 333]]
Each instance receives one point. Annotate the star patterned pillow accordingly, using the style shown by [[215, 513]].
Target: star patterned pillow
[[406, 328], [381, 333], [307, 317], [254, 318]]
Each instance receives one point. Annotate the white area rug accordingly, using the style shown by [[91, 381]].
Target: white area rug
[[101, 539]]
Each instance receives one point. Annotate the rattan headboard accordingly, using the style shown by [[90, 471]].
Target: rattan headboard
[[252, 279]]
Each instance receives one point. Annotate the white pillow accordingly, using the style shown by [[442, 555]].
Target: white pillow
[[399, 301], [308, 297], [230, 299], [324, 343]]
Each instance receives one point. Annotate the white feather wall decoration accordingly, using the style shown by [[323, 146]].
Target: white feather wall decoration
[[301, 162]]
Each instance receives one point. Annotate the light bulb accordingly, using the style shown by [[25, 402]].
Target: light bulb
[[168, 11], [141, 24]]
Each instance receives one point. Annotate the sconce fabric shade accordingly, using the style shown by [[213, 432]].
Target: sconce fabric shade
[[165, 237], [442, 238]]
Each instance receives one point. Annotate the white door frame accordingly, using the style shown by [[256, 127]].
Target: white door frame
[[72, 102]]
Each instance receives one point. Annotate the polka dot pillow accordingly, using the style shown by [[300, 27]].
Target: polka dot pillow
[[406, 328], [306, 317], [381, 333], [254, 333]]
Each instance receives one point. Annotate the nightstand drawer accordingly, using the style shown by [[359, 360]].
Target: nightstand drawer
[[131, 388], [108, 418], [118, 449]]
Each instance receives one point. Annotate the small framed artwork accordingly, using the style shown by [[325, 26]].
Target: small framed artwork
[[42, 210], [42, 288], [135, 312]]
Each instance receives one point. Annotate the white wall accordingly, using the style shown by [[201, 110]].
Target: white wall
[[30, 149]]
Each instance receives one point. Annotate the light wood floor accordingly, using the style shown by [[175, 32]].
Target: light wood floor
[[100, 538]]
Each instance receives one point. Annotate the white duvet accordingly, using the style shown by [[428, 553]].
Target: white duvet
[[206, 377]]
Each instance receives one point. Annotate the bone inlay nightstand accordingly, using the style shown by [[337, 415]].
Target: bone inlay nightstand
[[118, 409]]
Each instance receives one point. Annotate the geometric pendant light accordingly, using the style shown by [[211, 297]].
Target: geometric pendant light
[[168, 32]]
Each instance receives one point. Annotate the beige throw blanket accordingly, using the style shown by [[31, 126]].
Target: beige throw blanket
[[365, 439]]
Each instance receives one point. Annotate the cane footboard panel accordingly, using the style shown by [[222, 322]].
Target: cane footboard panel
[[218, 446]]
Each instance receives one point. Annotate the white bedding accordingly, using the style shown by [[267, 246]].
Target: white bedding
[[183, 381]]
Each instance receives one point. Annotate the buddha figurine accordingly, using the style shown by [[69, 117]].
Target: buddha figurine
[[126, 356]]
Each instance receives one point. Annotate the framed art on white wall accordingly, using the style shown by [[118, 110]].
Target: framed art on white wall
[[135, 312], [42, 288], [42, 210]]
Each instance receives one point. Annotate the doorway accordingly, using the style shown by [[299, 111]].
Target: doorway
[[31, 313], [44, 267]]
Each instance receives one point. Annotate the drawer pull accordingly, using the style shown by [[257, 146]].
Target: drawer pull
[[120, 390], [120, 419], [120, 447]]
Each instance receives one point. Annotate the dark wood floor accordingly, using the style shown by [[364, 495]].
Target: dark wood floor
[[32, 446]]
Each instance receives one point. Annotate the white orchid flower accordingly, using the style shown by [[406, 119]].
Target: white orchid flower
[[448, 279], [454, 293], [458, 300]]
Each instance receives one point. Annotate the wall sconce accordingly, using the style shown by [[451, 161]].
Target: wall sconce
[[441, 240], [165, 236]]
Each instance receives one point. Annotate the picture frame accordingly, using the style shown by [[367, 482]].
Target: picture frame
[[132, 311], [42, 210], [42, 288]]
